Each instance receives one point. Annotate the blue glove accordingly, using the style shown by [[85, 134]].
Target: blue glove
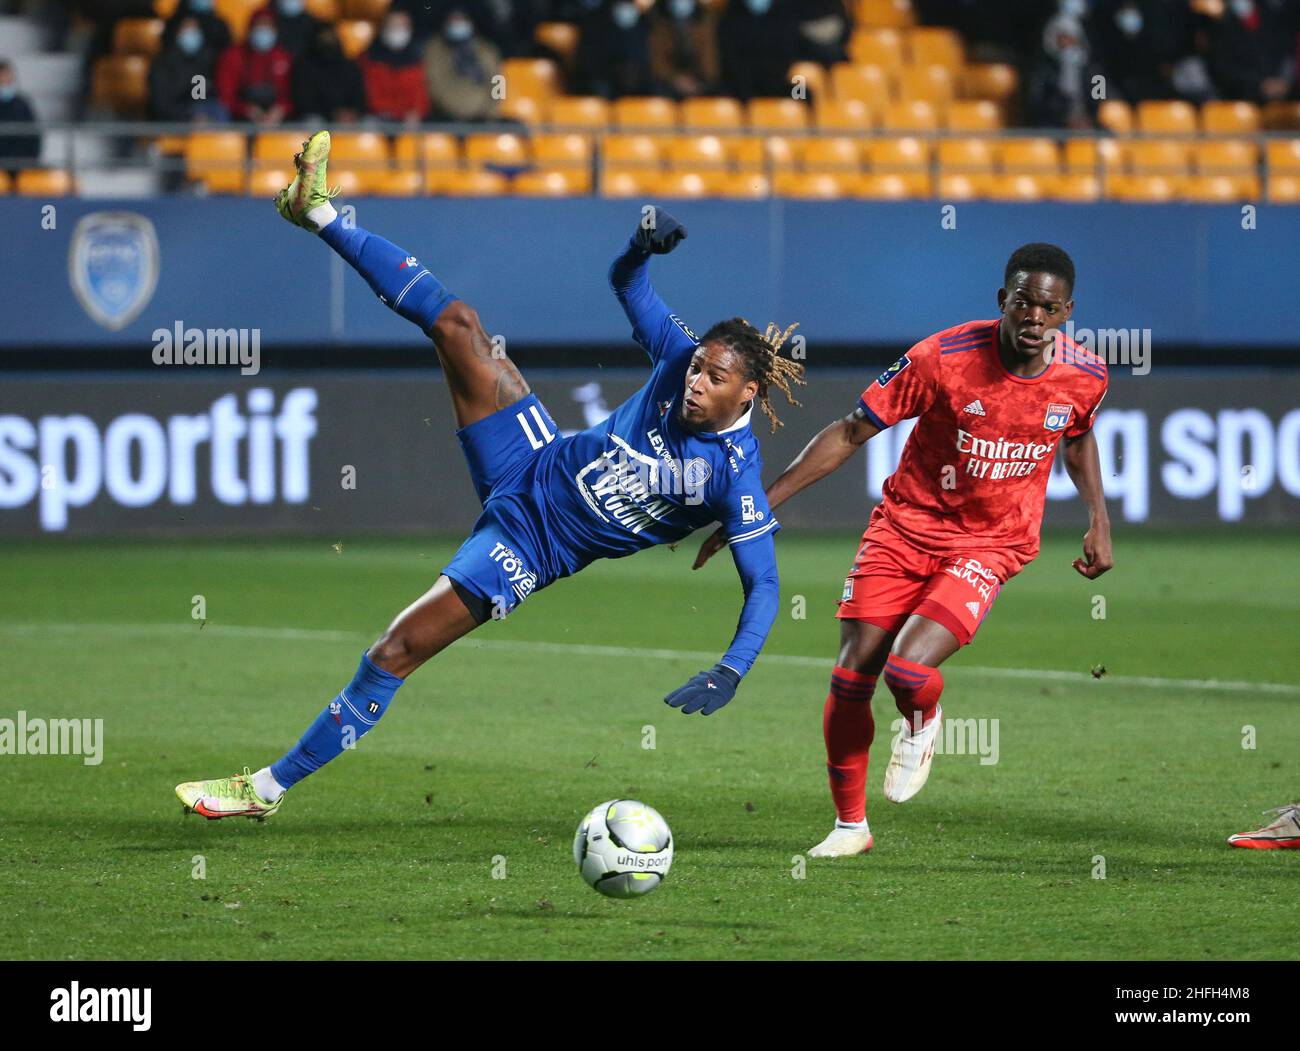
[[706, 692], [659, 232]]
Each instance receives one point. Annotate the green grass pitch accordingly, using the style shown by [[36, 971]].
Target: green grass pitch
[[497, 748]]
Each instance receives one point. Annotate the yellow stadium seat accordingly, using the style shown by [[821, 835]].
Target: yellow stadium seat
[[645, 113], [349, 183], [904, 154], [121, 83], [473, 183], [870, 84], [1221, 189], [534, 77], [973, 115], [1077, 187], [778, 115], [896, 13], [877, 46], [808, 80], [831, 153], [935, 45], [711, 113], [744, 185], [1142, 189], [914, 115], [1020, 186], [1230, 118], [359, 150], [579, 111], [1226, 156], [813, 185], [932, 83], [684, 184], [1166, 118], [569, 150], [747, 153], [275, 149], [370, 10], [966, 156], [1116, 116], [1282, 116], [216, 158], [267, 182], [888, 186], [958, 186], [843, 115], [6, 183], [1031, 156], [522, 108], [996, 81], [395, 184], [624, 182], [630, 151], [165, 8], [560, 37], [697, 153], [780, 152], [237, 14], [1088, 154], [1158, 157], [1283, 188], [504, 150], [325, 10], [44, 182], [138, 36], [430, 149], [551, 182], [1283, 156], [354, 35]]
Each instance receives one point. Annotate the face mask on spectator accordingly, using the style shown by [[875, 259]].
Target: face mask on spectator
[[458, 30], [1243, 9], [201, 6], [397, 37], [625, 15], [291, 8], [8, 92], [681, 9], [262, 38], [190, 41], [758, 7], [1129, 20], [1074, 8]]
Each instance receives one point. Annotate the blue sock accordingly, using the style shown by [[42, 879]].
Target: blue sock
[[398, 279], [346, 719]]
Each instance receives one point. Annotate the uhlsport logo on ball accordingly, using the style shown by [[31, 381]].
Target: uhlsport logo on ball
[[623, 848]]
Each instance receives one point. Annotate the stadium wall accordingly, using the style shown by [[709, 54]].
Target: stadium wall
[[210, 452]]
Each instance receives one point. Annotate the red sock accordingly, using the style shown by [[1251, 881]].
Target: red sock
[[916, 688], [848, 727]]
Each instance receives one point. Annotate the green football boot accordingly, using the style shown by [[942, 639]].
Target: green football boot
[[226, 797], [308, 188]]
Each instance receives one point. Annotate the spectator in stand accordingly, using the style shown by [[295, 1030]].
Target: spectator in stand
[[684, 49], [614, 50], [757, 41], [1060, 82], [458, 69], [822, 32], [295, 27], [509, 24], [328, 87], [216, 34], [1249, 53], [394, 74], [427, 17], [172, 76], [253, 78], [1138, 42], [16, 151]]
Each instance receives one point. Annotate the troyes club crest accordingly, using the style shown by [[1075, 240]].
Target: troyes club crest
[[113, 266]]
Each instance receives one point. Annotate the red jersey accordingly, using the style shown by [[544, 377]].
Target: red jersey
[[973, 474]]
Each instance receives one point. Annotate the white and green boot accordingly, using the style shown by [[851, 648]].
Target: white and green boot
[[305, 202]]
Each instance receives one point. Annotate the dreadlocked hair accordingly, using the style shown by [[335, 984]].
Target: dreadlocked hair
[[759, 353]]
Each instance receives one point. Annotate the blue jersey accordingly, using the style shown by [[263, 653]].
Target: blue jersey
[[637, 479]]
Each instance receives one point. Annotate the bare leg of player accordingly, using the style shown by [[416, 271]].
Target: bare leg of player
[[481, 378]]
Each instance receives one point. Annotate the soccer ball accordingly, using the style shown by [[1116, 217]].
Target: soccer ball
[[623, 848]]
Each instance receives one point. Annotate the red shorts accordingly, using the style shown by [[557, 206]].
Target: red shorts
[[891, 579]]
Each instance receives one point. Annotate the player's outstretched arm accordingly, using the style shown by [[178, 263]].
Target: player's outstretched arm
[[653, 325], [1083, 464], [827, 451], [709, 690]]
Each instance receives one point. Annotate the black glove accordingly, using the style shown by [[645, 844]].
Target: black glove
[[706, 692], [658, 232]]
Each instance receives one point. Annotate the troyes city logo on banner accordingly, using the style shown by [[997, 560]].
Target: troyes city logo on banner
[[113, 265]]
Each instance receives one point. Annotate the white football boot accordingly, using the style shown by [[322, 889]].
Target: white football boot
[[843, 842], [909, 765]]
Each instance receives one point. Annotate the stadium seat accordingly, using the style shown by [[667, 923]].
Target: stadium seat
[[1283, 156], [216, 158], [778, 115], [915, 115], [813, 185], [935, 45], [877, 46], [836, 153], [958, 186], [780, 152], [972, 115], [562, 151], [630, 151], [1088, 155], [364, 153], [395, 184], [579, 111], [275, 149], [711, 113], [355, 35], [1158, 157], [931, 83], [696, 153], [536, 78], [870, 84], [325, 10], [1018, 186], [743, 185], [887, 186], [683, 184], [965, 156], [430, 149], [1116, 116], [237, 14], [475, 183], [808, 80], [1036, 156], [1078, 187], [748, 153], [1142, 189], [267, 182], [645, 113], [503, 150], [138, 36], [560, 37], [622, 182], [121, 84], [44, 182], [164, 9], [1222, 189], [348, 182], [895, 13], [1282, 116], [1230, 118], [1283, 188], [6, 183], [995, 81], [551, 182], [370, 10], [1226, 156], [907, 157], [1166, 118], [843, 115], [524, 109]]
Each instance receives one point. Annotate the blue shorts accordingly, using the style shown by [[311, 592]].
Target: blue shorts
[[490, 565]]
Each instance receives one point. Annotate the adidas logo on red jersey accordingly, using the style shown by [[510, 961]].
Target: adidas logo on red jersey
[[975, 408]]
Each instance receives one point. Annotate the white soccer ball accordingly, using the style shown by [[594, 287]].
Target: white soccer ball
[[623, 848]]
